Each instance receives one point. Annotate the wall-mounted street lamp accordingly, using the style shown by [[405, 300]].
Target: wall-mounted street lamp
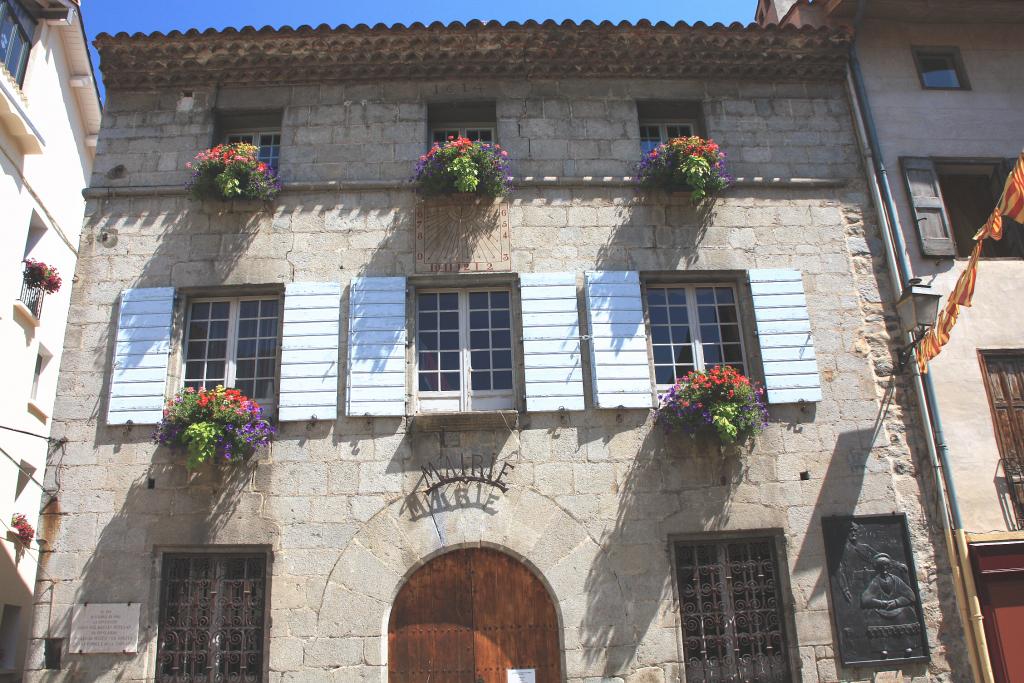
[[918, 307]]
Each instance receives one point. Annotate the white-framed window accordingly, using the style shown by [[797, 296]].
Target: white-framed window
[[693, 327], [268, 142], [653, 133], [464, 350], [17, 29], [475, 132], [234, 342]]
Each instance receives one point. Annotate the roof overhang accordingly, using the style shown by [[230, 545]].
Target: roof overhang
[[843, 12], [473, 50]]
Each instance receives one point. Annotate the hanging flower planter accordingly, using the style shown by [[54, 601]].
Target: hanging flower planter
[[213, 425], [462, 166], [22, 529], [690, 164], [38, 275], [721, 400], [232, 171]]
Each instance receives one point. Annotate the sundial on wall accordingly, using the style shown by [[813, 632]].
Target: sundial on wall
[[462, 236]]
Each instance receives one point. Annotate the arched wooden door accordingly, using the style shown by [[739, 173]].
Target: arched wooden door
[[469, 616]]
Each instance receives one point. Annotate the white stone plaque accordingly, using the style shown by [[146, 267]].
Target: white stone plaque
[[99, 627], [522, 675]]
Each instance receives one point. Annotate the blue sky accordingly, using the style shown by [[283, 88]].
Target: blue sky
[[113, 16]]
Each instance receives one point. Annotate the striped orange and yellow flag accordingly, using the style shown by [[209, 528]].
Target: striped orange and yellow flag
[[1011, 205]]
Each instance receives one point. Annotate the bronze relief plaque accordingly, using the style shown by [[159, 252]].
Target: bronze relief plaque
[[876, 606], [462, 236]]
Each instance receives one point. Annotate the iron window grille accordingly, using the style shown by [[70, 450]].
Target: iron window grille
[[234, 343], [268, 143], [653, 134], [731, 610], [17, 28], [464, 350], [693, 327], [212, 618]]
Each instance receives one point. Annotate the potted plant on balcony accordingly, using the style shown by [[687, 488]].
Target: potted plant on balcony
[[462, 166], [38, 275], [22, 530], [690, 164], [721, 400], [232, 171], [213, 425]]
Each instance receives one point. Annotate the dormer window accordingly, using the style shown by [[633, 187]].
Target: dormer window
[[473, 120], [17, 28]]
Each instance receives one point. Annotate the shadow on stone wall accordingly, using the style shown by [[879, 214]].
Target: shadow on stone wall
[[678, 229]]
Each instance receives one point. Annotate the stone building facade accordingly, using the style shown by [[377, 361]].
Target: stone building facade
[[601, 506]]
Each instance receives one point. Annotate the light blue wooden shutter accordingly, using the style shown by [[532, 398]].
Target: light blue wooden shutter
[[309, 351], [376, 346], [551, 342], [139, 377], [784, 333], [618, 340]]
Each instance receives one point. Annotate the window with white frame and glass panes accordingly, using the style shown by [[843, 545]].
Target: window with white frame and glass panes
[[478, 133], [464, 350], [653, 134], [693, 327], [234, 343], [268, 143]]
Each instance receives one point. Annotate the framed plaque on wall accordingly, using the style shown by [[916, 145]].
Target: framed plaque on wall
[[876, 606]]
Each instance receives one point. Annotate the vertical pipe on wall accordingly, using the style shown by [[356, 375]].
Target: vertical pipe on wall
[[938, 450]]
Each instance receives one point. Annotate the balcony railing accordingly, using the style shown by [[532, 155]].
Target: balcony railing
[[32, 297], [1014, 471]]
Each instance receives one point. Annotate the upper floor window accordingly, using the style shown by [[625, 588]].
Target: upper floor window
[[662, 120], [234, 343], [473, 120], [940, 68], [1003, 372], [693, 327], [464, 350], [17, 27], [261, 129]]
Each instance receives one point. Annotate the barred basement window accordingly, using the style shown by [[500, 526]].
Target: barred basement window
[[729, 596], [693, 328], [234, 343], [464, 350], [212, 618]]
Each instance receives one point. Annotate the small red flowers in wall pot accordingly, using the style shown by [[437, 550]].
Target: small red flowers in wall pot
[[691, 163], [722, 401], [38, 275], [213, 425], [462, 166], [232, 171], [22, 529]]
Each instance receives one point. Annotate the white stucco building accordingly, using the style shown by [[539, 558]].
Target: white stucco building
[[49, 118], [941, 96]]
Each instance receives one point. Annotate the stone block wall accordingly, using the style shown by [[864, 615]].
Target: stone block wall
[[597, 496]]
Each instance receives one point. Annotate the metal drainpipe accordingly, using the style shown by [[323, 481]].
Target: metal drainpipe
[[938, 449]]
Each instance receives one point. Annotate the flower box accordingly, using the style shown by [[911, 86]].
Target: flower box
[[686, 164], [232, 171], [462, 166], [721, 401], [213, 425], [22, 530], [38, 275]]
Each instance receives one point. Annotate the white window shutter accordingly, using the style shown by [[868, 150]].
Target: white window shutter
[[138, 383], [618, 340], [784, 334], [309, 351], [551, 342], [376, 347]]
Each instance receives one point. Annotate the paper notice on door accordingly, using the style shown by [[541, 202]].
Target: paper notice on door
[[522, 675]]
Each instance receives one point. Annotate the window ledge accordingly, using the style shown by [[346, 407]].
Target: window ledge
[[25, 313], [14, 116], [463, 422], [37, 410]]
